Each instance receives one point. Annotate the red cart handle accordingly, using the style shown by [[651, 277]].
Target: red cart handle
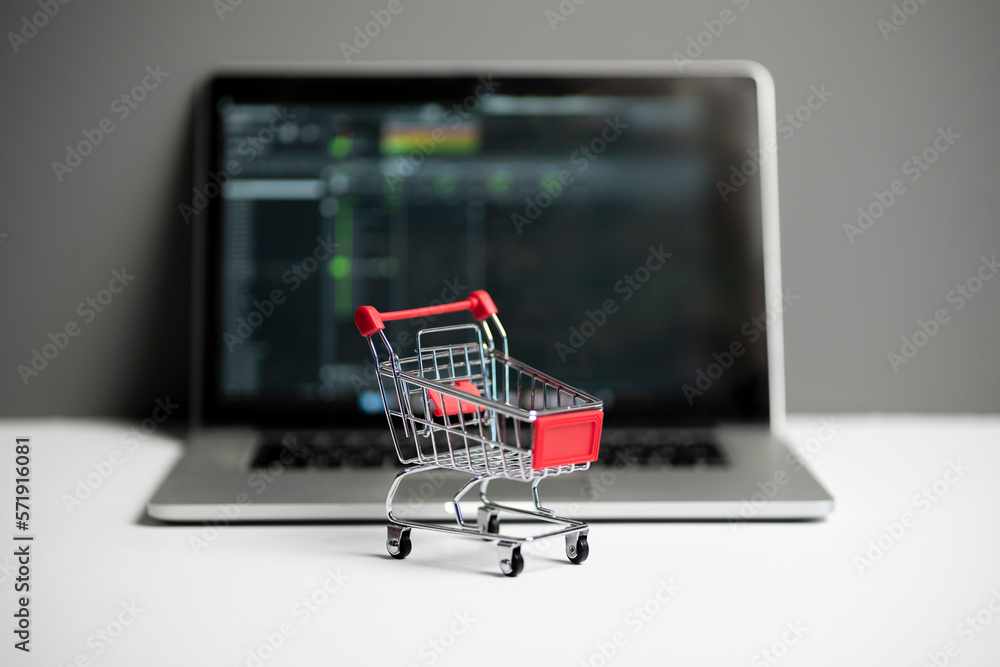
[[370, 320]]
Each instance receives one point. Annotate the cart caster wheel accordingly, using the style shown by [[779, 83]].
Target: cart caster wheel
[[513, 564], [491, 520], [578, 550], [398, 544]]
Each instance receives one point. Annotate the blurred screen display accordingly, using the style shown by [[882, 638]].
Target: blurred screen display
[[591, 209]]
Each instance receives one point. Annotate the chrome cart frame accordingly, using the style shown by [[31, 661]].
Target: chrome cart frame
[[466, 405]]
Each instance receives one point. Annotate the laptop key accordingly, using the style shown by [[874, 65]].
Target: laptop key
[[267, 453], [328, 458], [710, 453], [683, 457]]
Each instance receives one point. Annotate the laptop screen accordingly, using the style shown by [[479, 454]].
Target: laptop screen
[[615, 221]]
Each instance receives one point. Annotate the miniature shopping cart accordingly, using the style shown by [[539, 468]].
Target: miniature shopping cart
[[463, 404]]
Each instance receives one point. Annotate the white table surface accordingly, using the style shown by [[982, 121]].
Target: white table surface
[[738, 588]]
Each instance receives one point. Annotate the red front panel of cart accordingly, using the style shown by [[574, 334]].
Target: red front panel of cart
[[566, 439]]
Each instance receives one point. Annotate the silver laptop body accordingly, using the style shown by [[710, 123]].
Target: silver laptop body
[[718, 463]]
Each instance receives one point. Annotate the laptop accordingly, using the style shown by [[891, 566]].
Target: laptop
[[622, 215]]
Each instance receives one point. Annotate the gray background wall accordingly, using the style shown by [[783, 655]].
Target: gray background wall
[[119, 207]]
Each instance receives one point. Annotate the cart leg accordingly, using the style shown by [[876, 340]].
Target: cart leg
[[458, 498], [511, 561], [405, 472], [577, 548], [537, 499], [398, 542]]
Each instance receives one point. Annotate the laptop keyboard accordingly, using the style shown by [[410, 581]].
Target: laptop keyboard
[[658, 448], [327, 450]]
